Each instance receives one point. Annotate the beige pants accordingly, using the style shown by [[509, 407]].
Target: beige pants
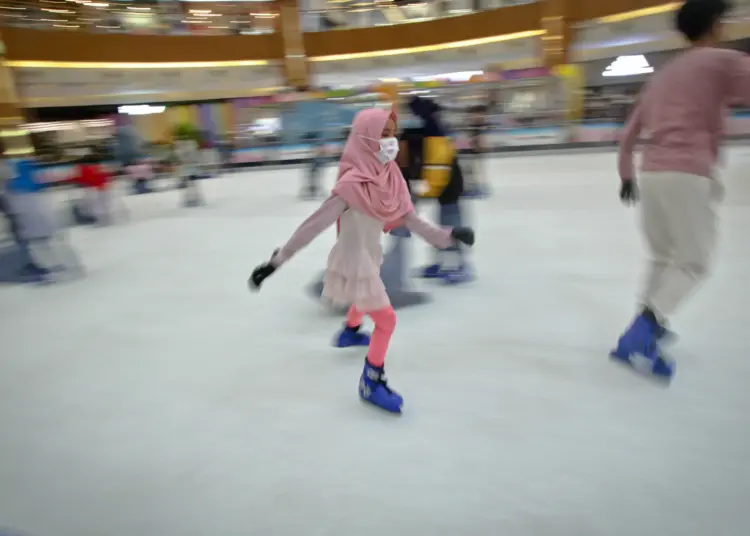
[[679, 223]]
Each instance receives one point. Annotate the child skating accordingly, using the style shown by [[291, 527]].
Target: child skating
[[682, 109], [370, 196], [188, 164]]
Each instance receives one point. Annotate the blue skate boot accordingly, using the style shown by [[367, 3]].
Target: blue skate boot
[[351, 337], [373, 389], [462, 274], [639, 348], [32, 273], [433, 271]]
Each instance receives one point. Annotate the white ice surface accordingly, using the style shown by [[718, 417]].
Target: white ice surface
[[158, 397]]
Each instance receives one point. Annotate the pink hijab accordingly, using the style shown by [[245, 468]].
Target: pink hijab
[[378, 190]]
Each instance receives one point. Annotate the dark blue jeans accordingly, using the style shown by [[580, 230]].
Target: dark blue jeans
[[450, 216]]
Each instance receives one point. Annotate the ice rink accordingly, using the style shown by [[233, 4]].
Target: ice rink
[[158, 397]]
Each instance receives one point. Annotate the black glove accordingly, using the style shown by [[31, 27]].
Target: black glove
[[629, 192], [261, 273], [464, 235]]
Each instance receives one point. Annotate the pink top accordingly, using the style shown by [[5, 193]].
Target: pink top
[[332, 209], [682, 111], [352, 275]]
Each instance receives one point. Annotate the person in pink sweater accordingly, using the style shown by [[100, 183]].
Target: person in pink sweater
[[370, 196], [681, 111]]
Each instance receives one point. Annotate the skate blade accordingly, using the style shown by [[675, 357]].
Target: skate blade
[[641, 372], [382, 411]]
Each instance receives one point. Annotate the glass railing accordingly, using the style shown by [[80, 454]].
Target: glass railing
[[227, 18], [370, 13], [142, 17]]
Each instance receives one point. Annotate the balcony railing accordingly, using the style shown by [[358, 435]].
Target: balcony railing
[[226, 18]]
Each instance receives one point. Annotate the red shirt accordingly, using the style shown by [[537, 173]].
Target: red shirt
[[91, 176]]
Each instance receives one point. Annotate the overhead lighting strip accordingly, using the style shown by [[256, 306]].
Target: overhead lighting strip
[[32, 64], [637, 13], [430, 48]]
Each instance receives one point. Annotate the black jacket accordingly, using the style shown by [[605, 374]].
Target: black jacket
[[428, 111]]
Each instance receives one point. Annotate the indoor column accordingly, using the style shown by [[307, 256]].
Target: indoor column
[[15, 139], [558, 38], [296, 69]]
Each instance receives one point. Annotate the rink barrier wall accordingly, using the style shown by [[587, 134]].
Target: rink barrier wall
[[495, 141]]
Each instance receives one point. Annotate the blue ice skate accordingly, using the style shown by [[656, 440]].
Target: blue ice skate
[[373, 389], [638, 348], [457, 276], [348, 337], [433, 271], [38, 276]]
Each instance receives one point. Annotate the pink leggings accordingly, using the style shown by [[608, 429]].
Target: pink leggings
[[385, 323]]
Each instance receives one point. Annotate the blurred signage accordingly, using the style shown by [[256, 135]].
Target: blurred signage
[[524, 74]]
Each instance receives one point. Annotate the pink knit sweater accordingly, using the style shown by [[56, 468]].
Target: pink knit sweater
[[681, 112]]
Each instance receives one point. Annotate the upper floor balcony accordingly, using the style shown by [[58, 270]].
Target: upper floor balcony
[[255, 17], [65, 52], [239, 17]]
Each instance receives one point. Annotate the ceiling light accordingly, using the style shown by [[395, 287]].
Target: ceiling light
[[141, 109], [628, 66]]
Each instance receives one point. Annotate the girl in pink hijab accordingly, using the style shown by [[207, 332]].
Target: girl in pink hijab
[[370, 196]]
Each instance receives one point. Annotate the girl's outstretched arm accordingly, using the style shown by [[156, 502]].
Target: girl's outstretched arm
[[330, 211], [440, 237]]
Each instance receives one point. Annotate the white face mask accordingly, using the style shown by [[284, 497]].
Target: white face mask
[[388, 150]]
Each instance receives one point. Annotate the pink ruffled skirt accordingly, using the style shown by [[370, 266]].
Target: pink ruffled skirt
[[355, 280]]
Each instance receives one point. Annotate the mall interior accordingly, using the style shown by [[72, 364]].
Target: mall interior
[[157, 151]]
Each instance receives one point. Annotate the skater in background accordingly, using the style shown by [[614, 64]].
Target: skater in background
[[370, 196], [478, 125], [209, 156], [128, 144], [95, 204], [312, 187], [225, 150], [441, 173], [188, 168], [45, 252], [140, 174], [29, 268], [682, 108]]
